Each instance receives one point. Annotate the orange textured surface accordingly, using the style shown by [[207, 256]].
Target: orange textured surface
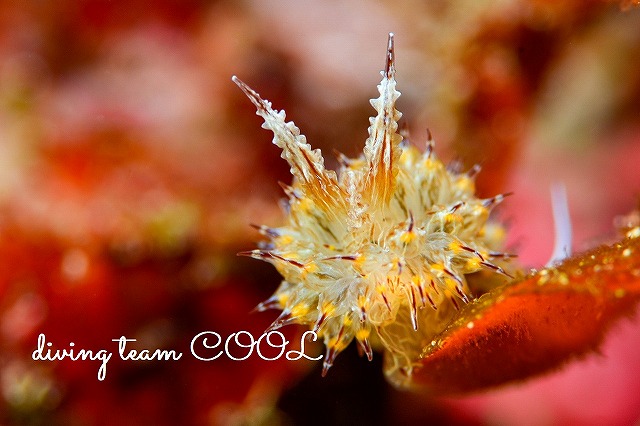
[[537, 324]]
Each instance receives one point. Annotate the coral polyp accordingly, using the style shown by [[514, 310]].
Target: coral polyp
[[392, 231]]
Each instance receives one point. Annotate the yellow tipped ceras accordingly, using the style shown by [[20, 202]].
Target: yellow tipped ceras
[[393, 228]]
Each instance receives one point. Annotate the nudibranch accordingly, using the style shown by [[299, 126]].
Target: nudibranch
[[380, 249]]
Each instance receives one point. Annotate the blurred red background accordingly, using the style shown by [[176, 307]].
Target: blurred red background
[[131, 168]]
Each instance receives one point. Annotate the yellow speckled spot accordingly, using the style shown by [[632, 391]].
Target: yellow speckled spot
[[450, 282], [455, 247], [494, 233], [543, 279], [407, 237], [473, 264], [479, 210], [356, 164], [362, 301], [284, 240], [619, 293], [311, 267], [453, 217], [626, 252], [363, 334], [336, 344], [408, 156], [431, 164], [305, 205], [290, 255], [332, 342], [283, 298], [634, 233], [470, 325], [563, 279], [299, 310], [328, 309], [395, 265], [465, 184], [439, 267]]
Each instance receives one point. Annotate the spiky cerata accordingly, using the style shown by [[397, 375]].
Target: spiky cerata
[[393, 231]]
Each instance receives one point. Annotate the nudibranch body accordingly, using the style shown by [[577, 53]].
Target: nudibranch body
[[391, 233]]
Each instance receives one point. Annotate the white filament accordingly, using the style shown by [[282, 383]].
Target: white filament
[[561, 224]]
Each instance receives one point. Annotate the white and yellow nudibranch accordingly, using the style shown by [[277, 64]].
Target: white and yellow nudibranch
[[393, 231]]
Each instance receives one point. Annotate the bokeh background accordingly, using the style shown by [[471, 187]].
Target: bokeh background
[[131, 168]]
